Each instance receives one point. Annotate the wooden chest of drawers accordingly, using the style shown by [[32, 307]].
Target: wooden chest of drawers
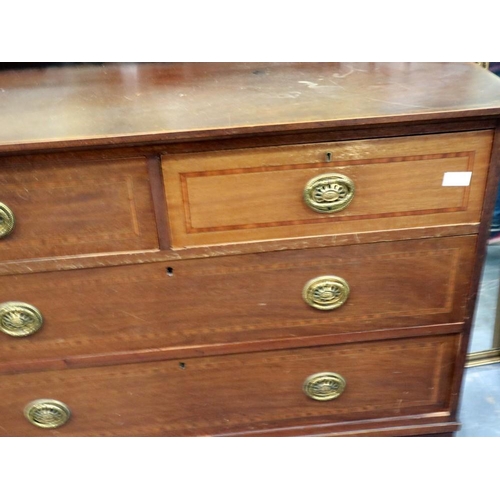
[[241, 249]]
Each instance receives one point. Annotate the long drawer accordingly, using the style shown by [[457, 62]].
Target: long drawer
[[50, 209], [247, 393], [325, 189], [235, 300]]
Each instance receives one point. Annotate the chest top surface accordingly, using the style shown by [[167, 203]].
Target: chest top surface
[[141, 103]]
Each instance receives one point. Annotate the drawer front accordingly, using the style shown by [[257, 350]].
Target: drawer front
[[239, 299], [275, 192], [239, 393], [72, 208]]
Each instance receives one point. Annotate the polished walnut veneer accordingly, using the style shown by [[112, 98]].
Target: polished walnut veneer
[[241, 249]]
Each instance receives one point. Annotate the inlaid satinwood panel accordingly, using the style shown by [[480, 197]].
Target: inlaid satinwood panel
[[245, 393], [72, 207], [257, 194], [239, 299]]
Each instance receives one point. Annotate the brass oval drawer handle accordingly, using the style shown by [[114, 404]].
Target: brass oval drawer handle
[[329, 193], [326, 292], [47, 413], [18, 319], [7, 220], [324, 386]]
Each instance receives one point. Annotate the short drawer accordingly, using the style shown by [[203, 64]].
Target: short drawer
[[322, 189], [244, 393], [71, 208], [238, 300]]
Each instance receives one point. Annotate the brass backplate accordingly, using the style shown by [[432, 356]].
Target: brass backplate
[[47, 413], [324, 386], [7, 220], [329, 193], [326, 292], [19, 319]]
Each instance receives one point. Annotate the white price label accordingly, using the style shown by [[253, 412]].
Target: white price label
[[457, 179]]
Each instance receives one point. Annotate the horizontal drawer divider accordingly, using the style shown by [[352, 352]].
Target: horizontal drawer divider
[[27, 266], [164, 354]]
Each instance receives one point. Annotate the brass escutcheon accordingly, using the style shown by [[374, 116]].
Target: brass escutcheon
[[19, 319], [7, 220], [324, 386], [326, 292], [47, 413], [329, 193]]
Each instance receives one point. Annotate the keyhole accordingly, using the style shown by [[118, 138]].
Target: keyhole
[[170, 271], [328, 156]]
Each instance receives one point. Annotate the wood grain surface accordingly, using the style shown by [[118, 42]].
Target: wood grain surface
[[239, 300], [147, 103], [257, 194], [67, 208], [161, 231], [243, 393]]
